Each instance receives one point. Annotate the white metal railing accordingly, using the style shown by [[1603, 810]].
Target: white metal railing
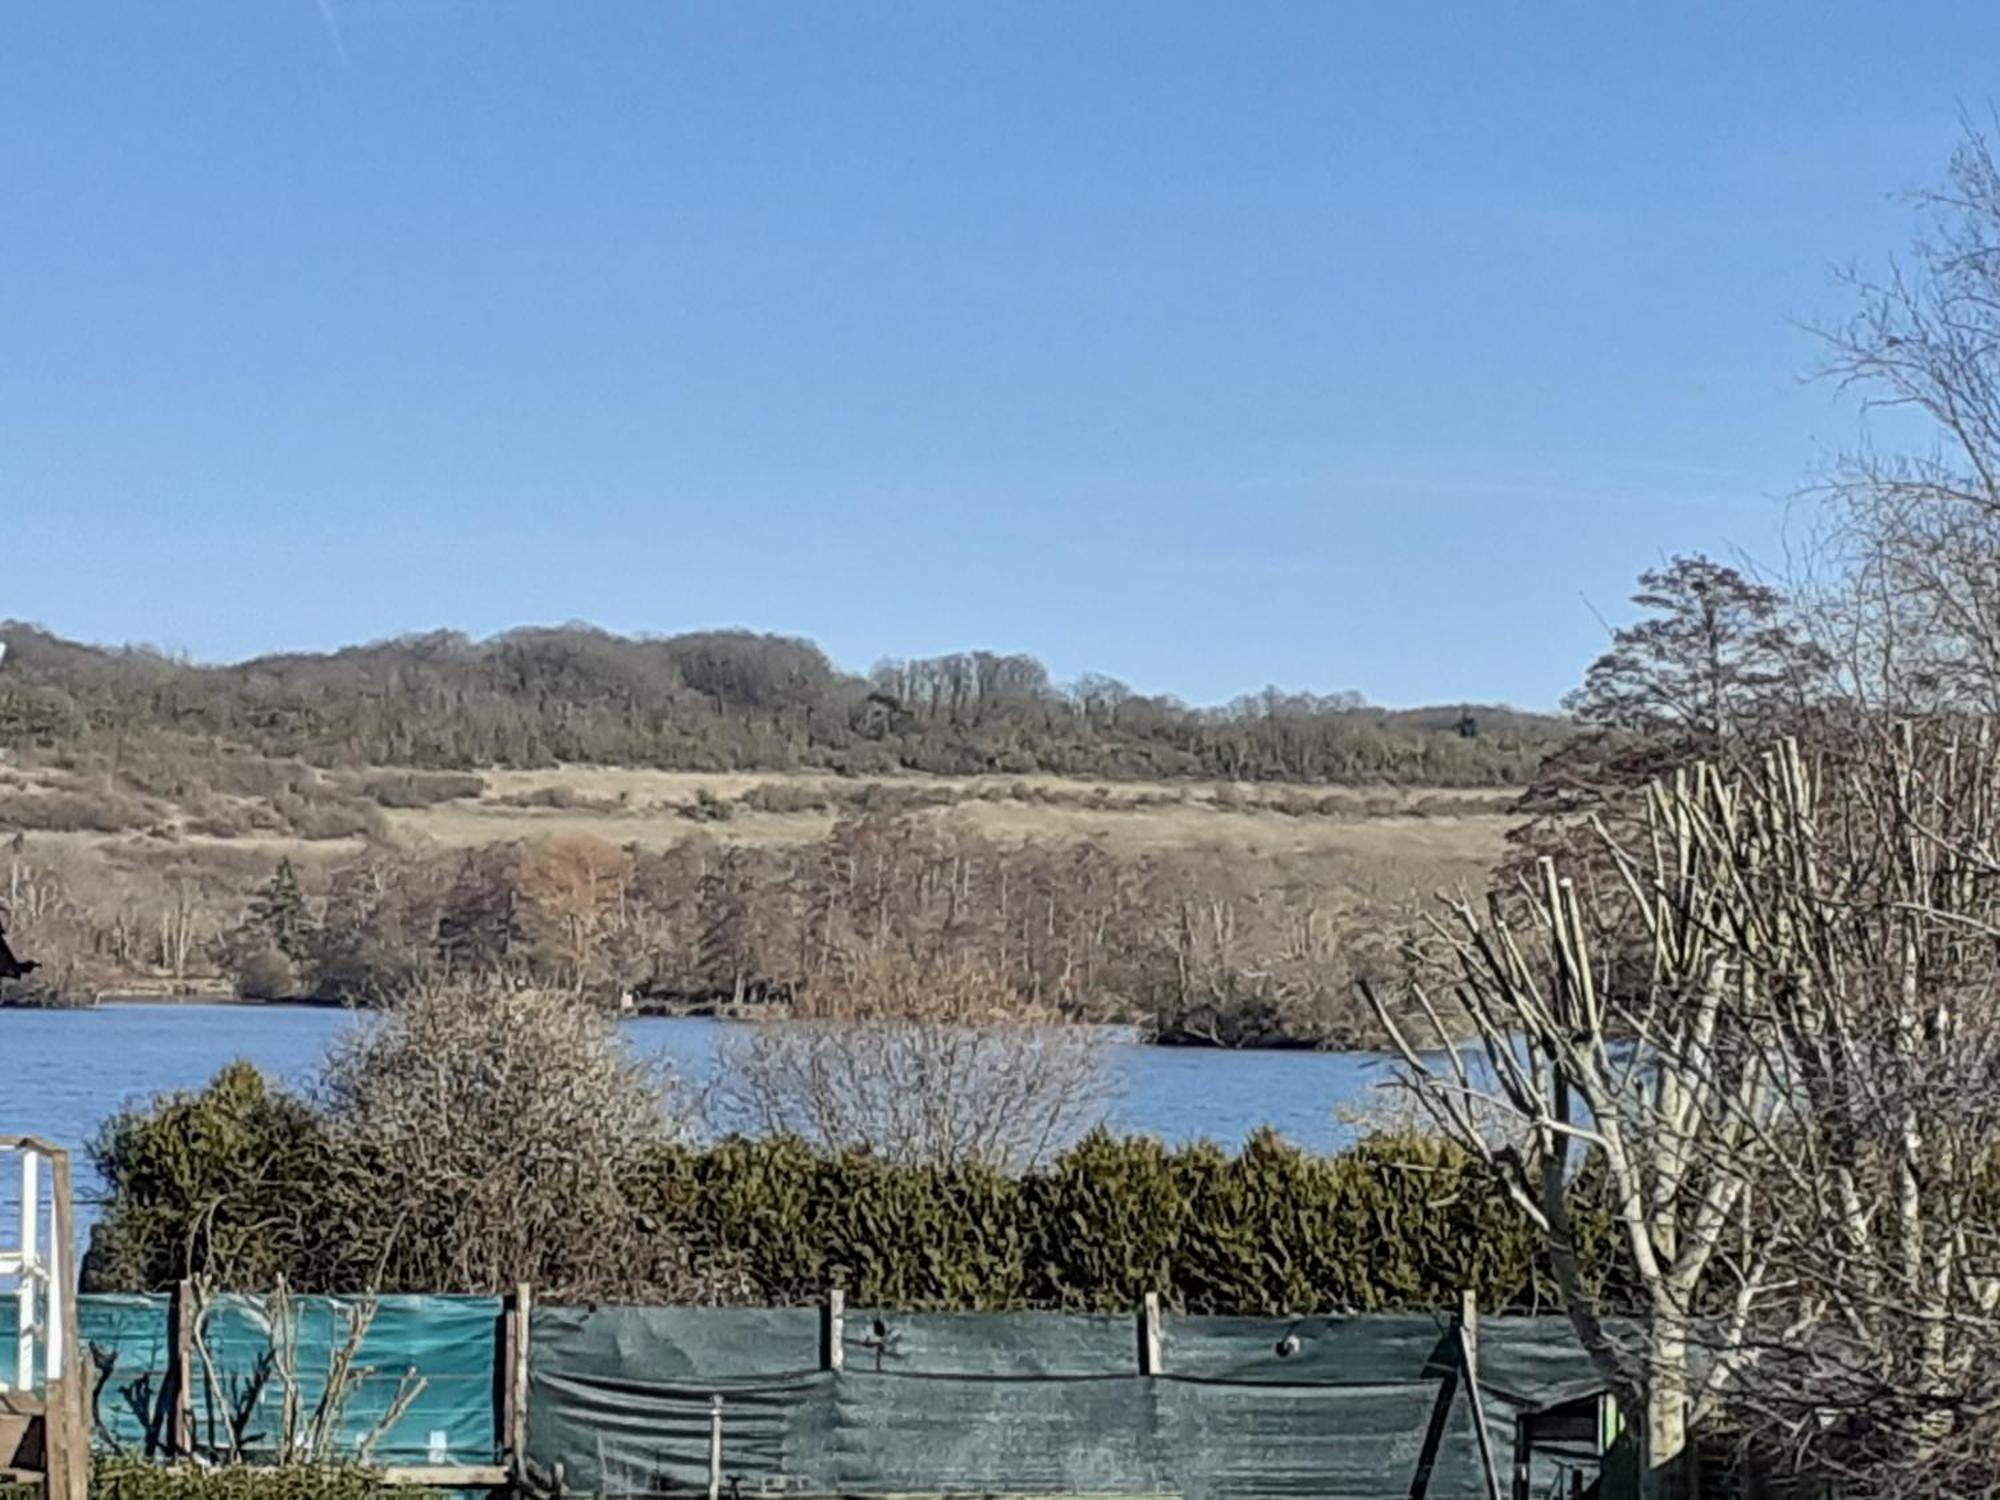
[[36, 1263]]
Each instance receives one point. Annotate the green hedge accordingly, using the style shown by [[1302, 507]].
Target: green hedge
[[227, 1176], [1394, 1223], [230, 1182]]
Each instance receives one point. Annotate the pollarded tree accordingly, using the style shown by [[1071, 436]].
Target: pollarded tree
[[1787, 1086]]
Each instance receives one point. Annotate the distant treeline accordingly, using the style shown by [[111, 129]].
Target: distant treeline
[[721, 701], [1266, 954]]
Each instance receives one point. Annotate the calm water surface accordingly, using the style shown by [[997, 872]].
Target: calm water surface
[[62, 1073]]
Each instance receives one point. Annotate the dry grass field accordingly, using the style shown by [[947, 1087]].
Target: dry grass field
[[1403, 835], [654, 808]]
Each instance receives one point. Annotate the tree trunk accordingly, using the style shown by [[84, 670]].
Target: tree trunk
[[1665, 1431]]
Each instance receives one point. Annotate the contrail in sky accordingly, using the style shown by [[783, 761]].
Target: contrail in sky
[[333, 32]]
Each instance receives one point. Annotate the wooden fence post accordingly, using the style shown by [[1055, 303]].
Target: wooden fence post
[[715, 1448], [1468, 1348], [180, 1373], [1152, 1349], [833, 1330], [66, 1417], [514, 1325]]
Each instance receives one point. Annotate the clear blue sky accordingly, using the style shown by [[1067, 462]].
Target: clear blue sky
[[1333, 344]]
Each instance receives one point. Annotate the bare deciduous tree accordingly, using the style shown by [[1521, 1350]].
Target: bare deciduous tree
[[574, 889], [1788, 1084], [495, 1135], [1906, 543], [919, 1063]]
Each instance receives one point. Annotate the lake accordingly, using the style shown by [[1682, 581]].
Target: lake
[[62, 1073]]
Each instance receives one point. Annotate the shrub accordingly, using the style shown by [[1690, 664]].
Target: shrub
[[422, 788], [43, 992], [134, 1479], [74, 812], [930, 1064], [785, 797], [1396, 1223], [558, 797], [244, 775], [232, 1182], [265, 974], [219, 818], [708, 808], [488, 1135], [792, 1221], [330, 820], [564, 799]]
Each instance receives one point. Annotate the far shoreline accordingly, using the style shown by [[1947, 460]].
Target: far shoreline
[[168, 1000]]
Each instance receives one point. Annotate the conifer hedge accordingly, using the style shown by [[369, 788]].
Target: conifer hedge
[[229, 1182]]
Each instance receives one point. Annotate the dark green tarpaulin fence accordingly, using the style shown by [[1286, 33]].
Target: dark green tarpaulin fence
[[620, 1400]]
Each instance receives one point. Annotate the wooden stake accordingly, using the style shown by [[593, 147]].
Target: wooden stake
[[1152, 1349], [714, 1448], [515, 1437], [833, 1331], [68, 1413], [180, 1375], [1468, 1349], [505, 1337]]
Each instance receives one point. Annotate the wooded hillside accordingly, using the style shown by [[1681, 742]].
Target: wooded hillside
[[720, 701]]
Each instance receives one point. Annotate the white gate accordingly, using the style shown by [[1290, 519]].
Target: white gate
[[44, 1412], [34, 1262]]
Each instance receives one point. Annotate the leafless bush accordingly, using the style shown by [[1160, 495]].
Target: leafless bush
[[103, 811], [895, 798], [304, 1435], [239, 775], [785, 797], [330, 820], [1293, 804], [494, 1136], [707, 808], [561, 799], [919, 1063], [226, 818], [407, 789]]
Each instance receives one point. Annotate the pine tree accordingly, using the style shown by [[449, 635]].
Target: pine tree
[[280, 910]]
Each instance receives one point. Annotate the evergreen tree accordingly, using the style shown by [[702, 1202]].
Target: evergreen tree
[[280, 910]]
